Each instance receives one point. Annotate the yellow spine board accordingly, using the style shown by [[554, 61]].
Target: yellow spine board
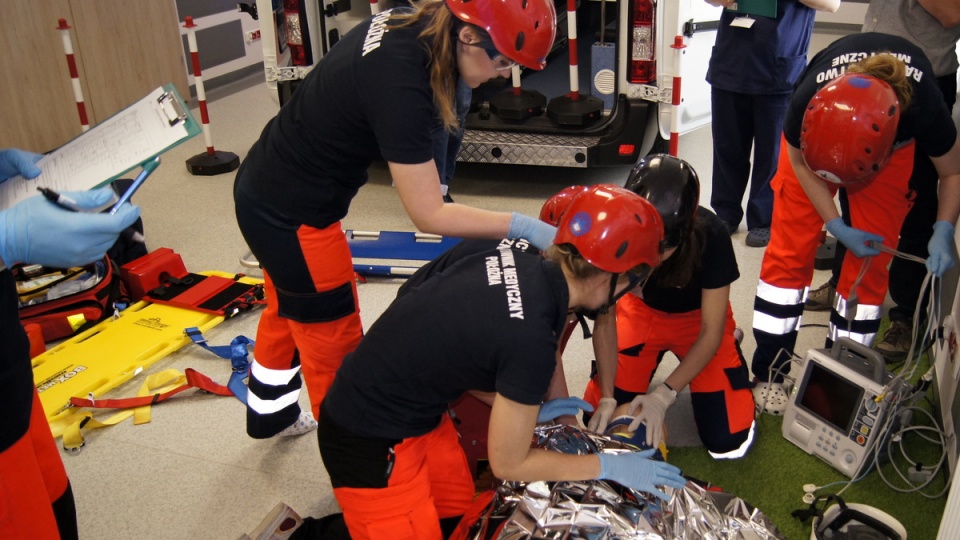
[[113, 352]]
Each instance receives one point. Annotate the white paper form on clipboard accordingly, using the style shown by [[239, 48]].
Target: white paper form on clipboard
[[122, 142]]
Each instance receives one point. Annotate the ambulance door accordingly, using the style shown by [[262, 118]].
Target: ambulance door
[[697, 21]]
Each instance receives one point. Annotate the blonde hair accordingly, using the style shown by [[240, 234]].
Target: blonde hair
[[567, 257], [890, 69], [438, 27]]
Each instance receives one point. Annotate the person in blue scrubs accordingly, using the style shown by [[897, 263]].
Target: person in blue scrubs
[[755, 62]]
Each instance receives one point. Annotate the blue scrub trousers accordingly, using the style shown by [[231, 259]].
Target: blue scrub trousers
[[741, 123]]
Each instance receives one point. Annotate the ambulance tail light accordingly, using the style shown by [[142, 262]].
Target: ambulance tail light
[[643, 63], [298, 33]]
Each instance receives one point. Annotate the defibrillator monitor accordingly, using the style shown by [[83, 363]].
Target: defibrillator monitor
[[834, 411]]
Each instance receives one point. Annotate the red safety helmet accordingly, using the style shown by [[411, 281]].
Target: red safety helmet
[[613, 228], [672, 186], [849, 128], [522, 30], [555, 206]]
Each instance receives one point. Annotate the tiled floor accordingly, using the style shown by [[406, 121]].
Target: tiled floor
[[192, 472]]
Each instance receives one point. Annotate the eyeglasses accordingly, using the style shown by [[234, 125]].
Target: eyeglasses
[[500, 61]]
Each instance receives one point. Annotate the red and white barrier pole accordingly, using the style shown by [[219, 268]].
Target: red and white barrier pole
[[678, 46], [574, 108], [374, 7], [198, 82], [74, 74], [572, 45], [213, 162]]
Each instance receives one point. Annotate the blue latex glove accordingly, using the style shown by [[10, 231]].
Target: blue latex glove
[[562, 407], [855, 239], [39, 232], [14, 162], [636, 470], [539, 234], [940, 249]]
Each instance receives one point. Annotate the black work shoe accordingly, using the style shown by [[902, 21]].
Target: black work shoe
[[447, 198], [896, 341], [821, 298]]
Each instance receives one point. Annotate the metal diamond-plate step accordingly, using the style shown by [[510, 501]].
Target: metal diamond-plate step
[[525, 149]]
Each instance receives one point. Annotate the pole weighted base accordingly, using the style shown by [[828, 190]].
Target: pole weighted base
[[210, 165], [516, 106], [575, 110]]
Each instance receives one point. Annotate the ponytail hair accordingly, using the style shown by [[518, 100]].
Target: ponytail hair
[[890, 69], [439, 25]]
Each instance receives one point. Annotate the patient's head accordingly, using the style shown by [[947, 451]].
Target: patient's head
[[619, 430]]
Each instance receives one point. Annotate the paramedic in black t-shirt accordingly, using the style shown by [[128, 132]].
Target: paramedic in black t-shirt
[[862, 107], [684, 308], [36, 500], [378, 95], [604, 328], [489, 322]]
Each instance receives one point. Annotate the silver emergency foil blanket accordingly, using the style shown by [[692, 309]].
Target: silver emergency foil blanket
[[605, 510]]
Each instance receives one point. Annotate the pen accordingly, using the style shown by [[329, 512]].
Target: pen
[[69, 204], [60, 200], [145, 171]]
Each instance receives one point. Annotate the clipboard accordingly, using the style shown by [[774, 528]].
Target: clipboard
[[765, 8], [138, 133]]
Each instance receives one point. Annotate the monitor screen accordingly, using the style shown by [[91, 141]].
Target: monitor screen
[[829, 396]]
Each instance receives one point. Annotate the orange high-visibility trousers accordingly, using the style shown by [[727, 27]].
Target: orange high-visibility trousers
[[878, 206], [429, 480], [36, 501], [723, 404], [312, 326]]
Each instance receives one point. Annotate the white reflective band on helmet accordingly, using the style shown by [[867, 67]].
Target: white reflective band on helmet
[[830, 177], [272, 377], [263, 406], [739, 452]]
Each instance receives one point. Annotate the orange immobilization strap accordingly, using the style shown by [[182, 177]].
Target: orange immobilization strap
[[155, 389], [194, 379]]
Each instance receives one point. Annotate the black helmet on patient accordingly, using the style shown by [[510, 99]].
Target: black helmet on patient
[[672, 186]]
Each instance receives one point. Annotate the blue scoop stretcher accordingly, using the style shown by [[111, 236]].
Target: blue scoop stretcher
[[408, 246], [388, 245]]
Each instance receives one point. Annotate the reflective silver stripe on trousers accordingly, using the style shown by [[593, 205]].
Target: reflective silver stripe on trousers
[[784, 297], [861, 312], [272, 377]]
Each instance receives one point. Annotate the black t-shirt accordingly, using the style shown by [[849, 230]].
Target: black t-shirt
[[489, 322], [718, 268], [927, 119], [461, 250], [368, 99], [16, 373]]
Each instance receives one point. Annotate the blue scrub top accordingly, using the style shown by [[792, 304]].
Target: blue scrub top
[[766, 58]]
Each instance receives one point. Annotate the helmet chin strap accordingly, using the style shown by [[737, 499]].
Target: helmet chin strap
[[612, 297]]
